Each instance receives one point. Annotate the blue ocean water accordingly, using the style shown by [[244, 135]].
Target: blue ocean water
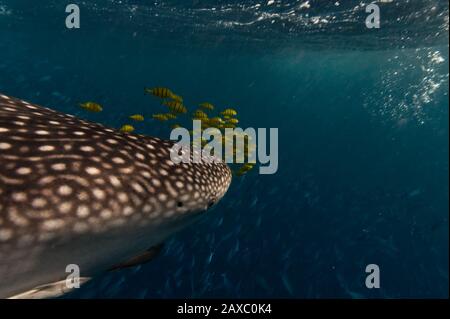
[[363, 134]]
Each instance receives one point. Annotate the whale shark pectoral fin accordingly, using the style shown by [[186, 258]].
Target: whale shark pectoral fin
[[140, 259], [51, 290]]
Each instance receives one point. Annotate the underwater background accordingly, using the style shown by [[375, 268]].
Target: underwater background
[[363, 134]]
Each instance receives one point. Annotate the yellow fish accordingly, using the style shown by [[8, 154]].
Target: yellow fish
[[177, 98], [170, 116], [229, 112], [244, 169], [160, 92], [91, 106], [175, 106], [207, 106], [229, 125], [233, 121], [160, 117], [199, 114], [137, 117], [215, 121], [127, 128]]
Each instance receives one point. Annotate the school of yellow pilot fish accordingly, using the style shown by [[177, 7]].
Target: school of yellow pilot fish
[[206, 113]]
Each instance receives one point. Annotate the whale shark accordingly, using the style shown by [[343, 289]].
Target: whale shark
[[74, 192]]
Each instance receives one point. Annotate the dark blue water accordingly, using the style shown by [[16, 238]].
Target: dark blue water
[[363, 134]]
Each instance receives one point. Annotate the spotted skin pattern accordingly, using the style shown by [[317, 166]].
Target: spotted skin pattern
[[72, 191]]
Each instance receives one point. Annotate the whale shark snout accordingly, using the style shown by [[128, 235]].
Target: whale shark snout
[[76, 192]]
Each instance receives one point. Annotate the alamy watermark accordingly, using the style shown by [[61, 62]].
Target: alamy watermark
[[373, 277], [233, 147], [73, 279], [373, 19], [73, 19]]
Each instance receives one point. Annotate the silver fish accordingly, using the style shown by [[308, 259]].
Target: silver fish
[[76, 192]]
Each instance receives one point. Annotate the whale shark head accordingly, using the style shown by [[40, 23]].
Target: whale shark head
[[76, 192]]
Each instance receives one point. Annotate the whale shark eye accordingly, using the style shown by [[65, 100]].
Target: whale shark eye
[[211, 203]]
